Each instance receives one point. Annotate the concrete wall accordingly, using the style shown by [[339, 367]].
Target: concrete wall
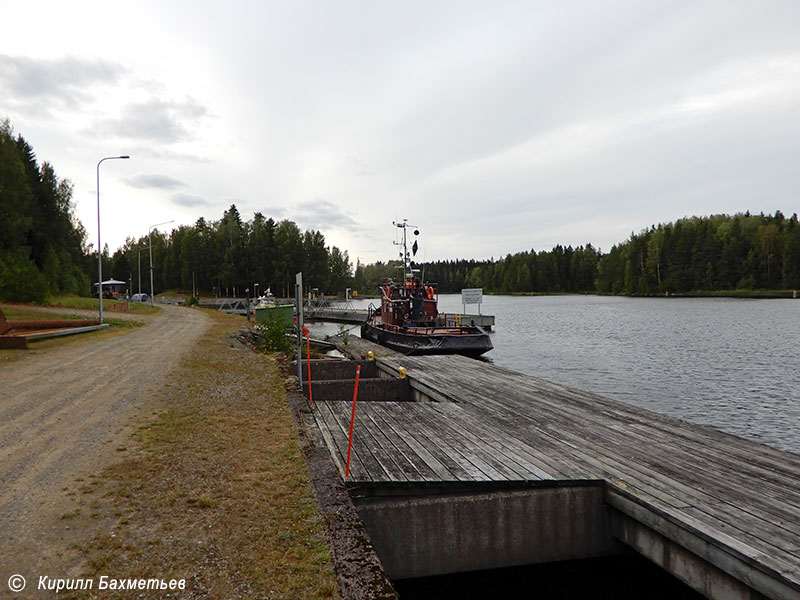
[[369, 390], [451, 533], [699, 563], [339, 369]]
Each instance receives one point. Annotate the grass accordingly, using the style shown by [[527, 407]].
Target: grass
[[141, 308], [21, 312], [214, 489]]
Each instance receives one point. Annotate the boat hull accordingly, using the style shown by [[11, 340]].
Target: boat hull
[[470, 341]]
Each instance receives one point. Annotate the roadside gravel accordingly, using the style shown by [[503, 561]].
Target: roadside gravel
[[69, 411]]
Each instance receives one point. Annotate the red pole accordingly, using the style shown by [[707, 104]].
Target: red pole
[[352, 420], [308, 361]]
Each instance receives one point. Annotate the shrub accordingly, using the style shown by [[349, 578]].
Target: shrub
[[273, 337]]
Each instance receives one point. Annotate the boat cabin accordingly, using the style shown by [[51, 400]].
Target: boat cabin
[[409, 304]]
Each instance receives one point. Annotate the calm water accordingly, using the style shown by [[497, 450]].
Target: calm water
[[728, 363]]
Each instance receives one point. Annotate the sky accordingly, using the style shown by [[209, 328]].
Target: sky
[[495, 127]]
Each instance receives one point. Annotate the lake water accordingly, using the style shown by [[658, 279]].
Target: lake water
[[729, 363]]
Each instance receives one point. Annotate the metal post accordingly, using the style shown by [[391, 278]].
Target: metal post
[[140, 275], [99, 248], [150, 245], [298, 300], [150, 248]]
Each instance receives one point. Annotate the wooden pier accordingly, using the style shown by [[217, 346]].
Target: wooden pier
[[720, 512]]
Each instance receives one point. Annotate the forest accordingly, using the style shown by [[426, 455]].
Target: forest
[[44, 252], [227, 257], [699, 254], [560, 270], [41, 243], [716, 253]]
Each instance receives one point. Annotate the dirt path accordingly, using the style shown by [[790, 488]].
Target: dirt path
[[67, 412]]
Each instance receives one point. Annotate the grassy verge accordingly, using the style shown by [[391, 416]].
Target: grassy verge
[[141, 308], [14, 312], [214, 489]]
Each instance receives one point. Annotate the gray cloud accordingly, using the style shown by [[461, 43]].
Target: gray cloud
[[64, 82], [321, 214], [188, 200], [155, 120], [154, 180]]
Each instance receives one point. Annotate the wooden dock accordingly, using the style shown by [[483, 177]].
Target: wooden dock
[[714, 498]]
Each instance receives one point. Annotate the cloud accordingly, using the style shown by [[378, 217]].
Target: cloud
[[154, 180], [189, 200], [154, 120], [321, 214], [65, 82]]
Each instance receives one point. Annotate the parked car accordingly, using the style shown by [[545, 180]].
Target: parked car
[[140, 298]]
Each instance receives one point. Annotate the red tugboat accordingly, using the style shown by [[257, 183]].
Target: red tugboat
[[408, 318]]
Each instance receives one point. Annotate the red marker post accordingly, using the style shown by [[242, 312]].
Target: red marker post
[[308, 362], [352, 420]]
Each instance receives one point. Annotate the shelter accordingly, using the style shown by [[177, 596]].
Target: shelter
[[113, 288]]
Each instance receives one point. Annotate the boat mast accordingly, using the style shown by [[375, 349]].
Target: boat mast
[[405, 255]]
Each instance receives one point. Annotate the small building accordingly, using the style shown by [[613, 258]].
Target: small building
[[112, 288]]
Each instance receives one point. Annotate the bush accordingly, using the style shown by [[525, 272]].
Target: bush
[[21, 281], [273, 337]]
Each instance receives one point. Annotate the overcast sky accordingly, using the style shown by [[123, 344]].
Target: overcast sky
[[496, 127]]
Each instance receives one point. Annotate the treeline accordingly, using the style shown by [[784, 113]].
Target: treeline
[[41, 241], [230, 256], [560, 270], [698, 254], [719, 252]]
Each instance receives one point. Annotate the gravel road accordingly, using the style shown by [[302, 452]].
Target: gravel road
[[67, 413]]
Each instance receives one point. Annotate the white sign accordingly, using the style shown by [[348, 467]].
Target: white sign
[[472, 296]]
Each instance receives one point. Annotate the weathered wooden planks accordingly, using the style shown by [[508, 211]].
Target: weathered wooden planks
[[726, 494]]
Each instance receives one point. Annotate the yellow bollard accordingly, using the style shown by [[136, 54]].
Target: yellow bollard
[[370, 355], [402, 371]]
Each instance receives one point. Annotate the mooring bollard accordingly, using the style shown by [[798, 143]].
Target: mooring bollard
[[352, 420]]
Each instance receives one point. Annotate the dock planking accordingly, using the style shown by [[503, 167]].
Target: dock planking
[[736, 497]]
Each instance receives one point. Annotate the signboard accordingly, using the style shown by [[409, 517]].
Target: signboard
[[472, 296]]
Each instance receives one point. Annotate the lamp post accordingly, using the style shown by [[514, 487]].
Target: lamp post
[[150, 244], [255, 292], [140, 274], [99, 248]]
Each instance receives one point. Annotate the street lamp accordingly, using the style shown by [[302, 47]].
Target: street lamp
[[140, 274], [99, 248], [150, 244]]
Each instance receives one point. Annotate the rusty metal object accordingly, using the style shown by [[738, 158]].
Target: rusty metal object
[[52, 323], [4, 326], [16, 334]]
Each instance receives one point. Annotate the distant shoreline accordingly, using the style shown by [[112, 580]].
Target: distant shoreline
[[746, 294]]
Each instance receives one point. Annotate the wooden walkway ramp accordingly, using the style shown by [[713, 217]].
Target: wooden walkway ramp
[[734, 503]]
